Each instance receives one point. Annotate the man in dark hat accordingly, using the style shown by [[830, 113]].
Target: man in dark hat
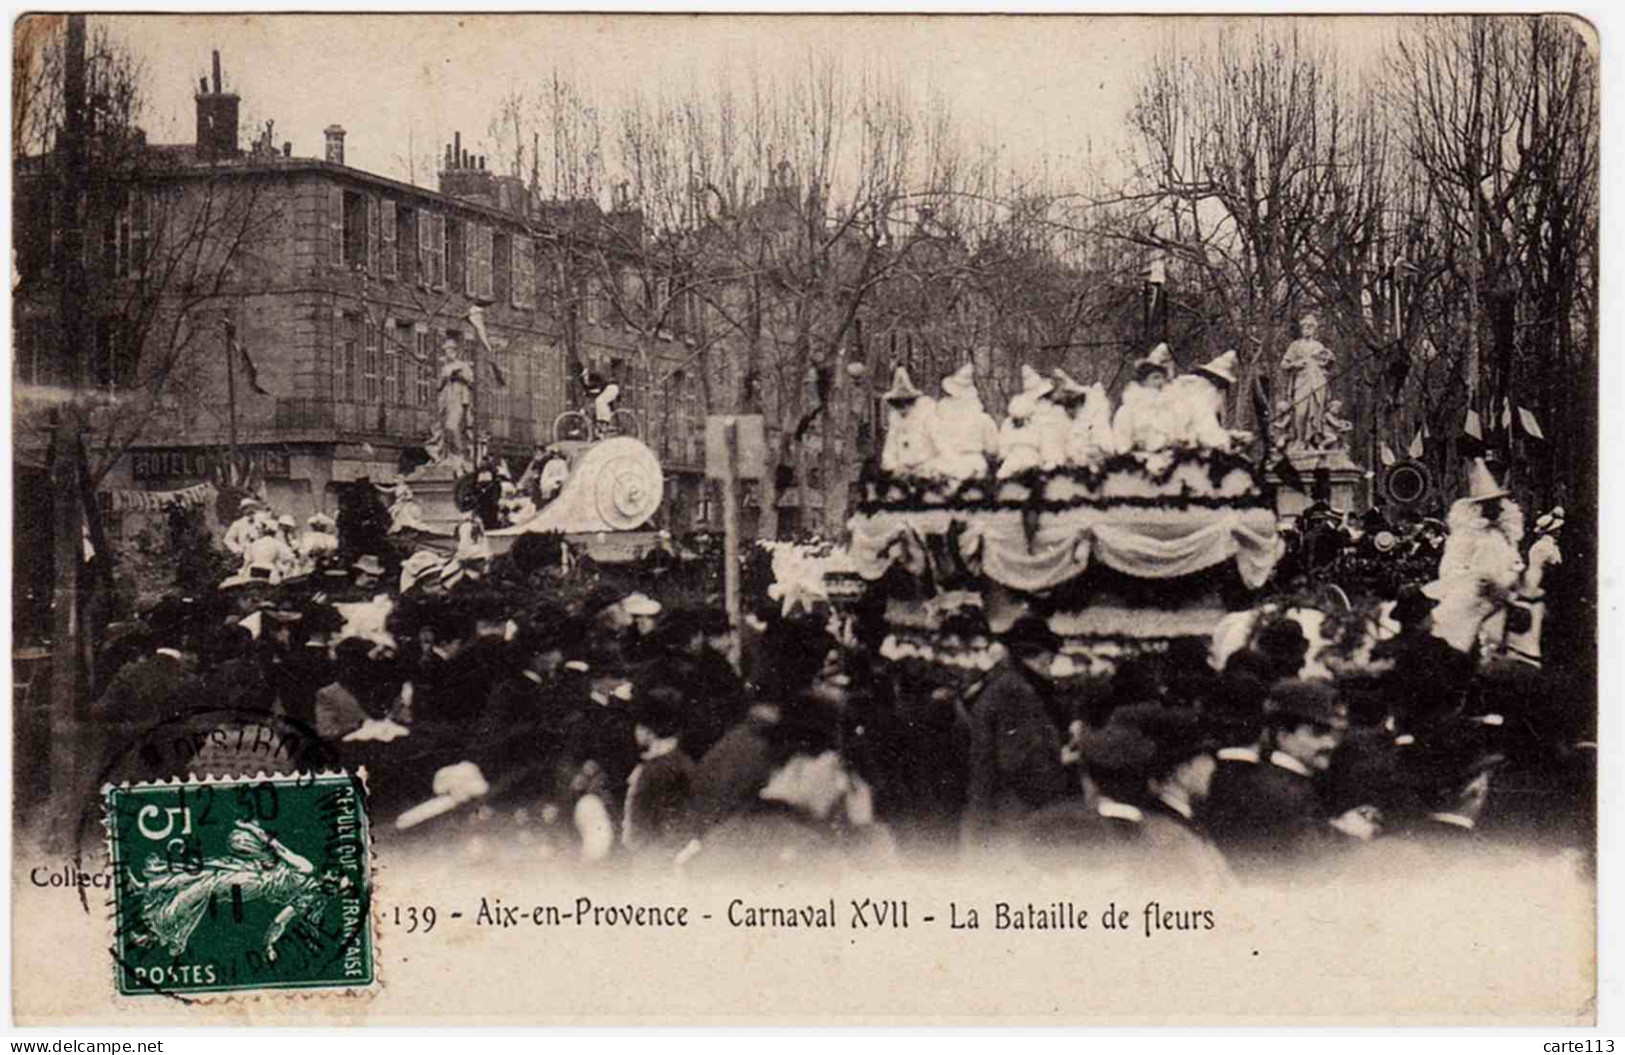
[[688, 656], [1155, 764], [655, 822], [1015, 741], [529, 708], [805, 819], [1450, 770], [1268, 816], [733, 770], [149, 690]]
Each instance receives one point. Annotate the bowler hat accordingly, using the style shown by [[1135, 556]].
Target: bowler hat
[[1306, 701], [368, 564]]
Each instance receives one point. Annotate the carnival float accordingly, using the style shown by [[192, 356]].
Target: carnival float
[[1126, 528], [595, 484]]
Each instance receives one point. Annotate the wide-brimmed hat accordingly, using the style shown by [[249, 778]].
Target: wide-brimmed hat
[[249, 503], [961, 382], [320, 520], [902, 388], [1222, 369], [1159, 358], [1307, 701], [1035, 385], [1384, 541], [369, 564], [286, 521], [641, 604], [1481, 483], [1550, 521], [1067, 389]]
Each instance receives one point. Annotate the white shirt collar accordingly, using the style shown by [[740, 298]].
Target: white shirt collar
[[1120, 811], [533, 676], [170, 652], [1290, 764], [1178, 805], [1454, 819], [1237, 754], [660, 748]]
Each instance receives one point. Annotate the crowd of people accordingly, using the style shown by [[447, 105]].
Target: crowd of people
[[616, 729]]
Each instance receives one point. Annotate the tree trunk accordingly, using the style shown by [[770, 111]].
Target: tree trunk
[[66, 526]]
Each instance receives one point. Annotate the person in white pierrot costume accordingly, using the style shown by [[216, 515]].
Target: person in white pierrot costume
[[966, 434], [1090, 437], [1056, 413], [1481, 566], [910, 425], [1521, 640], [1020, 443], [244, 529], [1197, 403], [321, 539], [1144, 421]]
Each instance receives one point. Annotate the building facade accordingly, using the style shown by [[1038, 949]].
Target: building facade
[[314, 349]]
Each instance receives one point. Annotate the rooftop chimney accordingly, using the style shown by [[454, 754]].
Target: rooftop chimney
[[335, 143], [216, 118], [464, 175]]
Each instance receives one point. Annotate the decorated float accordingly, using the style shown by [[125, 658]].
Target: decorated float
[[1126, 530], [596, 484]]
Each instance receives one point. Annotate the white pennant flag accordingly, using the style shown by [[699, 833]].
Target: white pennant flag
[[1388, 458], [1506, 413], [1526, 418], [1417, 447], [1474, 427]]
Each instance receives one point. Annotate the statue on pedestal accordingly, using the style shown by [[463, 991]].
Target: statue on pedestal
[[451, 441], [1308, 392]]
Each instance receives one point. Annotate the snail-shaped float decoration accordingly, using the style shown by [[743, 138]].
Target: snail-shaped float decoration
[[613, 485]]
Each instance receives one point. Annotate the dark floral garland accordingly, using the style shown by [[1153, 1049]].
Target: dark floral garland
[[912, 494]]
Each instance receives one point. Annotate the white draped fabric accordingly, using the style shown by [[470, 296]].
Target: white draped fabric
[[1144, 543]]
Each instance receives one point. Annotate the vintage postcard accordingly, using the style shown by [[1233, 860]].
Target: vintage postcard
[[581, 519]]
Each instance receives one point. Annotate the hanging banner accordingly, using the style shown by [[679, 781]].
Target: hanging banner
[[121, 501]]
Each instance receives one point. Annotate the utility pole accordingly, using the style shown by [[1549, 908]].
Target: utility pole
[[67, 523]]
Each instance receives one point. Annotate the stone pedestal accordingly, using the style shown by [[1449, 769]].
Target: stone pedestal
[[1346, 477], [434, 487]]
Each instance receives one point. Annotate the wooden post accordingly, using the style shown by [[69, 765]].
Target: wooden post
[[730, 536]]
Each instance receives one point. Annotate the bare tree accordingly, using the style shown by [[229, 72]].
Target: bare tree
[[127, 256]]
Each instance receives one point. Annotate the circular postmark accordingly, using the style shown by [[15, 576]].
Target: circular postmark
[[239, 857]]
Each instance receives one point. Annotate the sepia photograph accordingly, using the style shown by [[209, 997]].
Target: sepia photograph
[[565, 519]]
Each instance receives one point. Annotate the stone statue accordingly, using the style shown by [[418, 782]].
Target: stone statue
[[456, 405], [1309, 389]]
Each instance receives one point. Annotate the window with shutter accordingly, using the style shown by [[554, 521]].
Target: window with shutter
[[524, 273], [471, 260], [439, 252], [370, 389], [425, 248], [335, 226], [397, 349], [486, 277], [386, 224], [372, 235]]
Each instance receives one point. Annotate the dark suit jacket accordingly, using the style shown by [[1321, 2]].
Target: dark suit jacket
[[1015, 752], [1264, 818]]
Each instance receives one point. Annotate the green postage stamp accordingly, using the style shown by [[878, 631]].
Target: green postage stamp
[[226, 885]]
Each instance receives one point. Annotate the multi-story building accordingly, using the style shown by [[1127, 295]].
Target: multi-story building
[[315, 349]]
